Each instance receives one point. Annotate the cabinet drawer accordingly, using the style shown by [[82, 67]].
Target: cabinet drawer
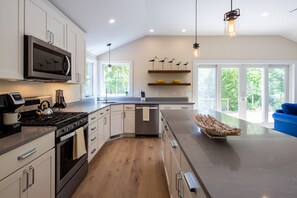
[[107, 110], [116, 108], [101, 113], [24, 154], [92, 128], [130, 107], [92, 151], [92, 137], [186, 169], [175, 148], [92, 117]]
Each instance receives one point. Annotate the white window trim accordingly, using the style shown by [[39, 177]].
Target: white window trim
[[95, 79], [101, 86]]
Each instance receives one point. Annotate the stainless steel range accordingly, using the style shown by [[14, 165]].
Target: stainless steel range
[[69, 172]]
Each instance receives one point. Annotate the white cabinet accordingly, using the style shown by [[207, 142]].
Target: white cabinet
[[45, 23], [116, 120], [36, 179], [76, 46], [106, 124], [93, 135], [129, 119], [11, 39]]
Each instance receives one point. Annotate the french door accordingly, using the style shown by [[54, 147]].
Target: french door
[[249, 92]]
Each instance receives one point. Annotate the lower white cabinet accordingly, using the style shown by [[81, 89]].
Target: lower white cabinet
[[37, 179], [129, 119], [116, 120]]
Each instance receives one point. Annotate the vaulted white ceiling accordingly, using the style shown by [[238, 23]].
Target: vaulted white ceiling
[[134, 18]]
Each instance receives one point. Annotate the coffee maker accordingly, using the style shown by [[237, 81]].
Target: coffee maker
[[9, 102]]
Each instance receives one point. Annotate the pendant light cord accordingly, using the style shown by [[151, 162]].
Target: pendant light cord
[[231, 5], [196, 22]]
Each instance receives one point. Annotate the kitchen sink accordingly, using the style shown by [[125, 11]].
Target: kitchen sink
[[107, 102]]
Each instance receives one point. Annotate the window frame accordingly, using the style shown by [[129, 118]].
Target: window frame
[[94, 79], [101, 87], [291, 74]]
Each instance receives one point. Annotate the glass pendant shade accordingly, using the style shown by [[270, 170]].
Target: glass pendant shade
[[231, 27], [196, 49]]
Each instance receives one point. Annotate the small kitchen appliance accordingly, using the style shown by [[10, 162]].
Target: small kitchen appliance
[[9, 102], [60, 100], [142, 95]]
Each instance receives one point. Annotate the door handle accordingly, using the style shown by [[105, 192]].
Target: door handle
[[25, 173], [69, 65], [31, 169]]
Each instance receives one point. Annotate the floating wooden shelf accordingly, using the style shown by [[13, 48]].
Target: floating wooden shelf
[[169, 84], [169, 71]]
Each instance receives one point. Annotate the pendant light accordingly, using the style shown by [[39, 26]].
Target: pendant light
[[196, 45], [109, 65], [231, 24]]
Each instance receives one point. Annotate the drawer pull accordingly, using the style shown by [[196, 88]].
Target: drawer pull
[[174, 144], [101, 113], [93, 151], [129, 107], [93, 118], [166, 128], [191, 182], [93, 139], [27, 154], [184, 107], [107, 109], [92, 129]]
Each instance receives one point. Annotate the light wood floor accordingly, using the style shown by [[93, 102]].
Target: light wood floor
[[126, 168]]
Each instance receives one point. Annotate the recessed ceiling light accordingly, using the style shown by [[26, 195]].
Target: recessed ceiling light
[[183, 30], [152, 30], [264, 14], [111, 21]]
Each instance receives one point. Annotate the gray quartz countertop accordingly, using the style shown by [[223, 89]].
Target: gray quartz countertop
[[27, 134], [259, 163], [90, 106]]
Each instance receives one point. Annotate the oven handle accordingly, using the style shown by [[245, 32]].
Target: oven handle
[[69, 135], [65, 137], [151, 108]]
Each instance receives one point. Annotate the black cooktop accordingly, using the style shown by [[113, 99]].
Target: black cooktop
[[58, 119]]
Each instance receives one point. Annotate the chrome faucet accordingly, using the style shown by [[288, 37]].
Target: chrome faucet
[[106, 95]]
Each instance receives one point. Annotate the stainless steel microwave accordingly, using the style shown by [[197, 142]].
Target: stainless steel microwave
[[43, 61]]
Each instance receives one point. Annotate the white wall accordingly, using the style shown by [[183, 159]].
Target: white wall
[[215, 48]]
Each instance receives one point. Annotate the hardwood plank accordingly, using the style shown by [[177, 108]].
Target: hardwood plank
[[126, 168]]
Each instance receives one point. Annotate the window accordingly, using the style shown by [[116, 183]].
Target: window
[[251, 92], [88, 88], [117, 80]]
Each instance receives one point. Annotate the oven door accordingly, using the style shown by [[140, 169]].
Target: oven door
[[66, 167]]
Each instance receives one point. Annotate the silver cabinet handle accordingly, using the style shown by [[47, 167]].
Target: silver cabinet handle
[[101, 113], [105, 120], [31, 169], [25, 173], [93, 139], [192, 182], [65, 137], [93, 118], [184, 107], [93, 151], [69, 65], [27, 154], [53, 38], [92, 129], [178, 178], [166, 128], [123, 114], [49, 38], [173, 144], [129, 107]]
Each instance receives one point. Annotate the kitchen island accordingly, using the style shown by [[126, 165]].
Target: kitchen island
[[259, 163]]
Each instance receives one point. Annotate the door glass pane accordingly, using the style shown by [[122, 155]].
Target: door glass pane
[[277, 87], [206, 97], [255, 95], [229, 93]]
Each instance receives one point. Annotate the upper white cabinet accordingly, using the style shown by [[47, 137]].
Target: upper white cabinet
[[11, 39], [45, 23], [76, 46]]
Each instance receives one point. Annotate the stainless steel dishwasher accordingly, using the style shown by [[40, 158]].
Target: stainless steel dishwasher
[[150, 127]]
